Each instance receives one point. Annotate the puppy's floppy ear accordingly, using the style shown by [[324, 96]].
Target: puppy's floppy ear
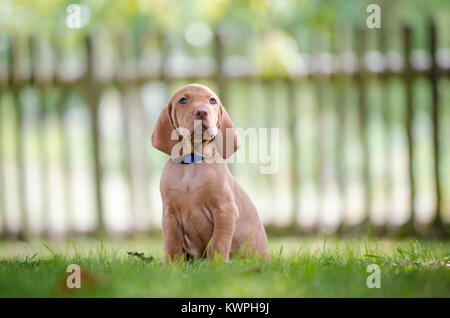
[[163, 130], [229, 142]]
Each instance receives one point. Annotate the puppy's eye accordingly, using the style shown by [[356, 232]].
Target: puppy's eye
[[183, 100], [212, 101]]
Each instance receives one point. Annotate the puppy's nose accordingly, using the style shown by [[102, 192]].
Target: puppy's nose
[[200, 113]]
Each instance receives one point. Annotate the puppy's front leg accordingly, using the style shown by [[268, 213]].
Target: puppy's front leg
[[224, 226], [172, 235]]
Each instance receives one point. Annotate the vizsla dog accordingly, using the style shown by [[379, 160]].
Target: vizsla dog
[[205, 211]]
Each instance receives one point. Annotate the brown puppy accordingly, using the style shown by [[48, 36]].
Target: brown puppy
[[202, 202]]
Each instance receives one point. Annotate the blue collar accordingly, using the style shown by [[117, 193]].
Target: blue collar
[[187, 159]]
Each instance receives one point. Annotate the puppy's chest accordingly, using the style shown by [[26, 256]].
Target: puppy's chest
[[189, 187], [192, 199], [183, 189], [188, 201], [193, 208]]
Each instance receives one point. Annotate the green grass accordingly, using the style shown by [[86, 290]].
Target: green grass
[[300, 267]]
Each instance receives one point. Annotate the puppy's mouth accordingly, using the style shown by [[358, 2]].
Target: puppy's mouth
[[203, 134], [203, 130]]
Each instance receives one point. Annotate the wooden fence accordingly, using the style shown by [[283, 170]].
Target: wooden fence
[[320, 69]]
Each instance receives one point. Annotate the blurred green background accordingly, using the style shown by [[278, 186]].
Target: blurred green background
[[82, 83]]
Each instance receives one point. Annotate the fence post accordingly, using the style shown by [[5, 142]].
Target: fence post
[[319, 86], [3, 228], [125, 120], [93, 96], [437, 224], [269, 92], [364, 132], [340, 86], [19, 142], [42, 146], [63, 144], [409, 226], [144, 170], [63, 140], [9, 84], [386, 118], [293, 141]]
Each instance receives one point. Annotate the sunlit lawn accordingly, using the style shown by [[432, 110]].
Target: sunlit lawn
[[300, 267]]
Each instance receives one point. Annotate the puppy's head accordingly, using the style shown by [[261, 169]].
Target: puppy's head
[[194, 112]]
